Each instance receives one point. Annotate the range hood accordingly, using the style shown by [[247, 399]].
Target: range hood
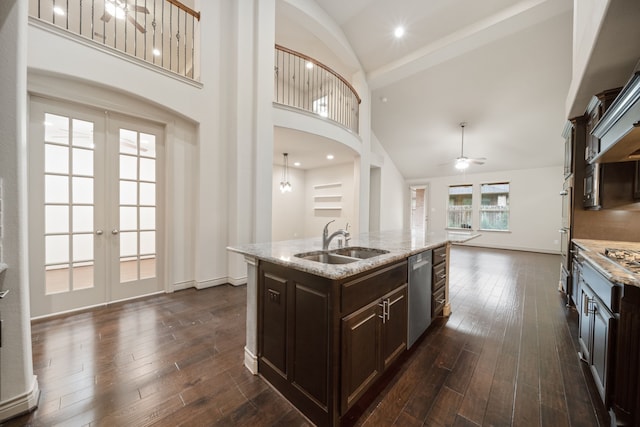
[[619, 127]]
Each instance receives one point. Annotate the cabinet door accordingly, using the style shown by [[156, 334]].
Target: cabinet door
[[584, 331], [599, 351], [394, 327], [273, 335], [360, 352]]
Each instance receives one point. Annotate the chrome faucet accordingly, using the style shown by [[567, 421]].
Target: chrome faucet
[[326, 239]]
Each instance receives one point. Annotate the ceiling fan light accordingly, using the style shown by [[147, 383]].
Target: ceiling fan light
[[462, 164], [115, 9]]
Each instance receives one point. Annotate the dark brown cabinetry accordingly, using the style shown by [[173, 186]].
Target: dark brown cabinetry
[[372, 339], [626, 403], [439, 281], [595, 110], [597, 331], [322, 343]]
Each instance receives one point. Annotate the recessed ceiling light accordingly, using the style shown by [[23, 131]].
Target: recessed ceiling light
[[383, 99], [58, 11], [156, 52], [329, 156], [296, 164], [398, 32], [309, 65]]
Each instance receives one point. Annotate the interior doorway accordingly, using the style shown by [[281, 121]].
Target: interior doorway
[[95, 217], [419, 209]]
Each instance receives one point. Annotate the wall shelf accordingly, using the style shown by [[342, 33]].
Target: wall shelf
[[328, 196], [330, 185]]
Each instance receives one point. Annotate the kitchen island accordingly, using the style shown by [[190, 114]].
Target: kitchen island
[[323, 333]]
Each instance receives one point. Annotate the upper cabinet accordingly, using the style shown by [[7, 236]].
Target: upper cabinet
[[618, 129], [599, 104]]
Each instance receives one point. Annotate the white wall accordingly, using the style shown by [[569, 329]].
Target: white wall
[[535, 207], [19, 388], [201, 177], [288, 216], [315, 219], [394, 192], [588, 16]]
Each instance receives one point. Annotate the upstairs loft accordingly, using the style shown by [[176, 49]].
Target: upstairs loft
[[165, 34]]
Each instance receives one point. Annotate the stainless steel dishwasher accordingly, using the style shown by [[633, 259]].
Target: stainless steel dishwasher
[[419, 295]]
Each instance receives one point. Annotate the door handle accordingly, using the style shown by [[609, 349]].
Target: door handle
[[99, 232], [384, 315], [114, 231]]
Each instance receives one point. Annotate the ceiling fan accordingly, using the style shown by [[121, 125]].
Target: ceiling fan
[[124, 8], [462, 162]]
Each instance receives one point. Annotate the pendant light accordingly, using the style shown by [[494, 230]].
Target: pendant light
[[285, 185]]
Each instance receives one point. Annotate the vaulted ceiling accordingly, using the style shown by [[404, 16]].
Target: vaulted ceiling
[[502, 66]]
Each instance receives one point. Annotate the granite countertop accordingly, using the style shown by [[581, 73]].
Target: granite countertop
[[400, 244], [593, 253]]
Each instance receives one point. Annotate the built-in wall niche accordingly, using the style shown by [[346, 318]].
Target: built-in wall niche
[[327, 199]]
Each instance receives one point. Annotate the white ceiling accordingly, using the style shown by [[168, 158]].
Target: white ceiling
[[502, 66], [309, 149]]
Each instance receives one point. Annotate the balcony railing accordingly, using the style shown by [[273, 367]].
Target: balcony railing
[[304, 83], [161, 32]]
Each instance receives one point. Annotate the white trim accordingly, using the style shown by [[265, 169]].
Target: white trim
[[203, 284], [237, 281], [509, 248], [250, 361], [100, 305], [22, 403], [180, 286]]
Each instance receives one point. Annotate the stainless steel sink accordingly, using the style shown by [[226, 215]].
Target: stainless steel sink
[[326, 257], [359, 252], [342, 255]]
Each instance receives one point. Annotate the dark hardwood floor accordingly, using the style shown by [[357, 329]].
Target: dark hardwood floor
[[506, 356]]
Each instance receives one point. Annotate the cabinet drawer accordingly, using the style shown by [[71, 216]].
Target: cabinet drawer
[[439, 276], [439, 255], [364, 289], [437, 302]]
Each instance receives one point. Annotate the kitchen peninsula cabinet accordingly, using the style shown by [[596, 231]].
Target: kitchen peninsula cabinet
[[323, 332], [438, 281], [305, 318], [372, 339]]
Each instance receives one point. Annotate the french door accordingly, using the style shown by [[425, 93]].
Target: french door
[[94, 218]]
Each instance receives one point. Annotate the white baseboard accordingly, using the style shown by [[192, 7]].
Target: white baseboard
[[509, 248], [21, 404], [237, 281], [250, 361], [180, 286], [210, 283]]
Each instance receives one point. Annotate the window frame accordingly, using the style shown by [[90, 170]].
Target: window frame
[[469, 211], [481, 209]]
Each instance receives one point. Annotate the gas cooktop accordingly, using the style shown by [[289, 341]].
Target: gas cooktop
[[626, 258]]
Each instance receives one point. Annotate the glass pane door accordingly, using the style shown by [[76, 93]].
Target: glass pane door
[[68, 203], [94, 222], [135, 261], [66, 199], [137, 205]]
